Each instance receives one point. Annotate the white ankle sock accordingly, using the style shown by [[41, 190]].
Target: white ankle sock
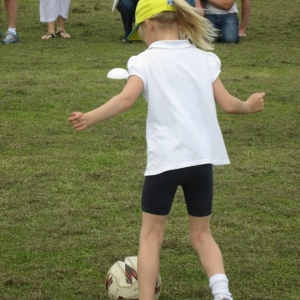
[[219, 286], [13, 30]]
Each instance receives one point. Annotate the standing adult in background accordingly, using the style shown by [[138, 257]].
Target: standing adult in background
[[127, 11], [223, 15], [52, 11], [246, 12], [11, 11]]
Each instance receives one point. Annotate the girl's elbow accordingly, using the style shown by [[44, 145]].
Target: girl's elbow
[[228, 109], [127, 106], [128, 103]]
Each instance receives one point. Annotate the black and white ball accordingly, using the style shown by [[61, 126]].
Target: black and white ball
[[122, 280]]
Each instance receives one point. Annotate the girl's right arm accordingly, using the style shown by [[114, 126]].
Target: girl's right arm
[[233, 105], [116, 105]]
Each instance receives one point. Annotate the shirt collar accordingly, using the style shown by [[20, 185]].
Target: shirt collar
[[170, 44]]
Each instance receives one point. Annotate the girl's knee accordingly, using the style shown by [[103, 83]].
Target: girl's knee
[[153, 237], [198, 238]]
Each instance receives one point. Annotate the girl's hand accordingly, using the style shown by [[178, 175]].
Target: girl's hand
[[256, 102], [78, 121]]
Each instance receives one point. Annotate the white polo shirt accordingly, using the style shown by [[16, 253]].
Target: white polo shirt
[[182, 128]]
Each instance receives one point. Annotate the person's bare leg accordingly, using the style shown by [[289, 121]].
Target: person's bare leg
[[11, 10], [151, 238], [210, 255], [246, 12], [51, 31], [204, 244], [61, 27]]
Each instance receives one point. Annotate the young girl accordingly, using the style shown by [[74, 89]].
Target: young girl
[[180, 83]]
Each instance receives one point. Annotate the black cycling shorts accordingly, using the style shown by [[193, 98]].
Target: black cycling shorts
[[197, 184]]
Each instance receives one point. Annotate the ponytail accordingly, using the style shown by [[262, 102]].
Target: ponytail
[[196, 28]]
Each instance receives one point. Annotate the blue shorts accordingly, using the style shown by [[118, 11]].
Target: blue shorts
[[197, 184]]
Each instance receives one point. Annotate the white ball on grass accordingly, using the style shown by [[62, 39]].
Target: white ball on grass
[[117, 73], [122, 280]]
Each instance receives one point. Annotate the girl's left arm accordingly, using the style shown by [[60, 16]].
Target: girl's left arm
[[115, 106], [233, 105]]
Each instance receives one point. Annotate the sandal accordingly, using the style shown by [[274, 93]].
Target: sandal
[[63, 34], [48, 36]]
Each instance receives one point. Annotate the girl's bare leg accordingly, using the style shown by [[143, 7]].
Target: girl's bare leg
[[205, 245], [151, 238], [210, 256]]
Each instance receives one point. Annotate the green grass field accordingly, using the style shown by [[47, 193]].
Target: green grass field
[[70, 202]]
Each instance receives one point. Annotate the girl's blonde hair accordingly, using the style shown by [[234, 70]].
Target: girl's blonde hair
[[196, 28]]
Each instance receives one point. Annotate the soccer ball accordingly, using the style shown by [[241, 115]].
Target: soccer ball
[[122, 280]]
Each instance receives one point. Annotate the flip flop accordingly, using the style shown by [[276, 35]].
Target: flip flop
[[48, 36], [63, 34]]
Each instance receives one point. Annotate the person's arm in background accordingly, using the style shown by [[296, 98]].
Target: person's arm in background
[[222, 4], [246, 11], [199, 6]]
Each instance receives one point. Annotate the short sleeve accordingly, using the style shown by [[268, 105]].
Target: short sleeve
[[135, 67], [214, 65]]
